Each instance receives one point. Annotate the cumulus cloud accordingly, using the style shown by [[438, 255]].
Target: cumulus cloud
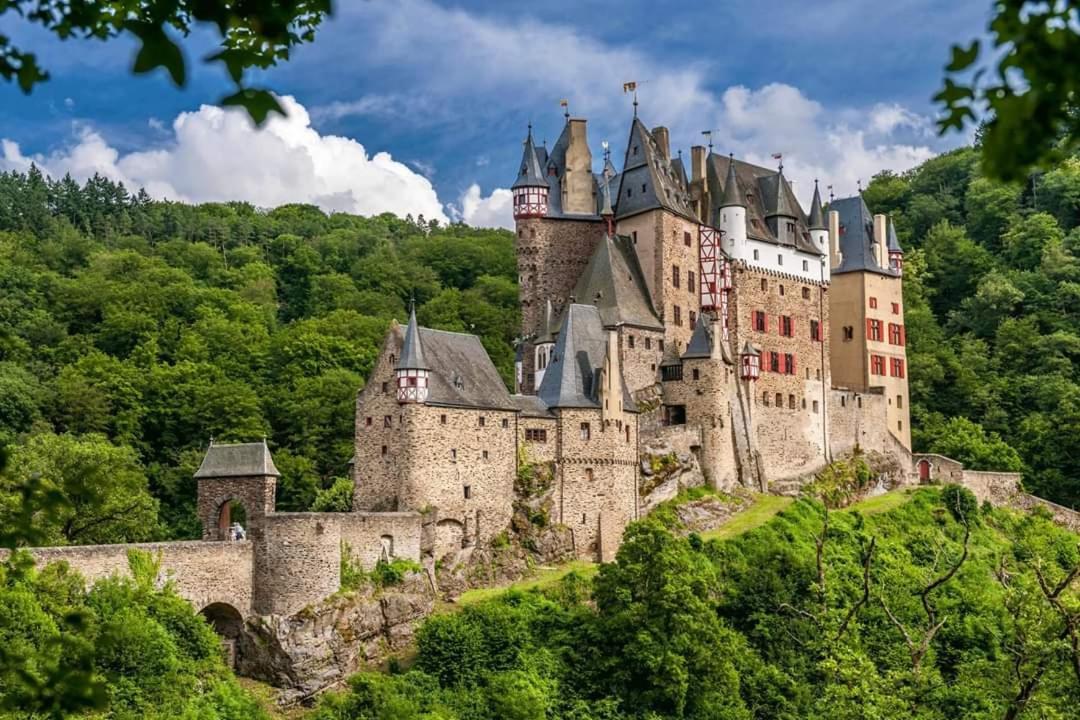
[[495, 210], [217, 154]]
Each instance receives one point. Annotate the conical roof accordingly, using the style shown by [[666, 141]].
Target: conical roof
[[412, 352], [700, 345], [777, 196], [732, 196], [817, 215], [890, 239], [749, 349], [530, 173]]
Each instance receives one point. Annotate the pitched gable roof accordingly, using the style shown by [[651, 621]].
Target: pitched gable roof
[[237, 460], [530, 173], [856, 237], [614, 283], [649, 180]]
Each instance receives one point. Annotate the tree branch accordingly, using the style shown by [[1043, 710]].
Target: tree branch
[[866, 590]]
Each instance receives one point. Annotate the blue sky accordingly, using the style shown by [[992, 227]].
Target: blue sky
[[434, 97]]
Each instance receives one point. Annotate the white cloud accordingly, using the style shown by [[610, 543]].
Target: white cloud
[[495, 210], [217, 154]]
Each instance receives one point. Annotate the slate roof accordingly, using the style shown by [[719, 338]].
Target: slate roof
[[890, 239], [732, 196], [551, 325], [530, 406], [614, 283], [412, 352], [557, 159], [237, 460], [816, 221], [649, 180], [765, 193], [461, 373], [700, 345], [530, 173], [856, 236], [572, 376]]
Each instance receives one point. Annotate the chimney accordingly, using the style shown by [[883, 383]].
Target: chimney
[[577, 181], [881, 223], [834, 239], [697, 163], [663, 140]]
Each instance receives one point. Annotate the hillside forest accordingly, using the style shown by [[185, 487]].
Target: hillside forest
[[132, 331]]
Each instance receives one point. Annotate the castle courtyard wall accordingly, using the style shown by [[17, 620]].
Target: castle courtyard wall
[[365, 533], [299, 564]]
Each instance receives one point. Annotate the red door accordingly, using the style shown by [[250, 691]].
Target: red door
[[924, 471]]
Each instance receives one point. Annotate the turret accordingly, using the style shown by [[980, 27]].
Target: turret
[[779, 212], [530, 190], [896, 254], [819, 230], [732, 215], [412, 369], [544, 344]]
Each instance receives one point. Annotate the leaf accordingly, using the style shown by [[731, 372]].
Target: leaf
[[158, 50], [235, 60], [962, 59], [258, 103]]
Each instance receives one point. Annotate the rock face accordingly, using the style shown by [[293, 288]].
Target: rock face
[[668, 465], [321, 645]]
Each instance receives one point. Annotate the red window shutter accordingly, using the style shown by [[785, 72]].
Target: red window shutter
[[783, 364], [869, 323], [792, 368], [903, 336]]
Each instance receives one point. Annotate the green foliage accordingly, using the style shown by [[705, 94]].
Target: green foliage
[[841, 482], [160, 325], [336, 498], [385, 573], [121, 649], [254, 34], [1022, 78], [803, 617]]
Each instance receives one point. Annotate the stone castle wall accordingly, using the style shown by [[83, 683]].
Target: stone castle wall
[[378, 473], [551, 255], [299, 564], [255, 494], [369, 535], [640, 362], [203, 572]]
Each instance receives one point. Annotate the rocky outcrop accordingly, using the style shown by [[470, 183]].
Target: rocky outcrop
[[321, 645], [710, 511], [668, 466]]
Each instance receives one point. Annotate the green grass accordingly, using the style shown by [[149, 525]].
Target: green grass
[[882, 503], [759, 513], [541, 580]]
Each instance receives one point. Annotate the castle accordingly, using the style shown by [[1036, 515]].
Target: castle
[[706, 308]]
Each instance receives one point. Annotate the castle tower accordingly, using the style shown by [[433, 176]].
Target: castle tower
[[780, 215], [819, 229], [896, 254], [236, 484], [867, 334], [731, 215], [545, 343], [411, 371], [530, 190]]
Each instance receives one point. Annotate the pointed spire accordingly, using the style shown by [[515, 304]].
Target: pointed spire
[[412, 352], [700, 345], [891, 242], [607, 212], [779, 204], [817, 215], [732, 197], [530, 174]]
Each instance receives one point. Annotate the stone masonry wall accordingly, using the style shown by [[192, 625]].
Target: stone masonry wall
[[597, 479], [551, 255], [640, 362], [790, 435], [204, 572], [299, 564], [377, 473], [256, 494], [365, 534], [534, 450], [462, 462]]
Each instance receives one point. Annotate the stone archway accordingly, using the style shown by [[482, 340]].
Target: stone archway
[[228, 623], [230, 511], [924, 470]]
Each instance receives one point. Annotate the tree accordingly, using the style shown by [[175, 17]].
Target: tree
[[1024, 80], [102, 488], [253, 34]]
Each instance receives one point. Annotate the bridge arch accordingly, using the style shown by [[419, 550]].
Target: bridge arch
[[228, 623]]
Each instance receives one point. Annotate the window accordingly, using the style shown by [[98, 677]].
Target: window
[[467, 491], [815, 407], [644, 188], [648, 343], [442, 419], [483, 421], [787, 327], [779, 400], [791, 402], [690, 280], [675, 276], [634, 233], [384, 450], [896, 308], [805, 266], [806, 293], [678, 316], [779, 259], [781, 291], [686, 238], [874, 330], [669, 373], [505, 423], [629, 192], [696, 374], [630, 341], [582, 518], [849, 332], [877, 365], [453, 453], [764, 283], [896, 334], [693, 318], [585, 432], [588, 475], [789, 363], [774, 361], [386, 387], [387, 421], [536, 435], [896, 367], [660, 342], [873, 303], [484, 455], [765, 399], [756, 252], [627, 429], [900, 425], [759, 321], [899, 402], [368, 421], [804, 403], [815, 330]]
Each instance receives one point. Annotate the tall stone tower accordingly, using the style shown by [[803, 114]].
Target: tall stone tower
[[558, 225], [867, 333]]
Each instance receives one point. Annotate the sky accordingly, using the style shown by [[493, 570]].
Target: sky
[[420, 106]]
